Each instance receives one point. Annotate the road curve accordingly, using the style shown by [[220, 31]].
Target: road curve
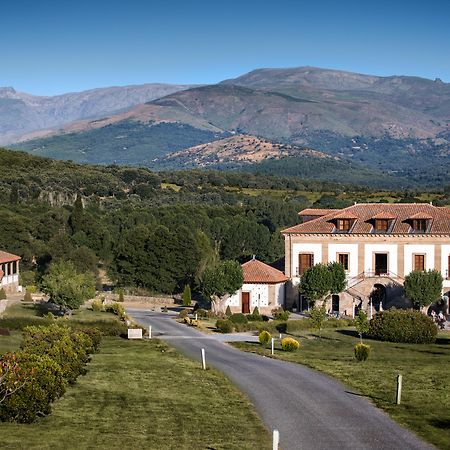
[[312, 411]]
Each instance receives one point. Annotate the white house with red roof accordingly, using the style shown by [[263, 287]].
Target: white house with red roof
[[377, 243], [263, 288], [9, 272]]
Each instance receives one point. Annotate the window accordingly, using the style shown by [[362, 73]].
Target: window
[[420, 225], [344, 224], [381, 225], [419, 262], [343, 258], [305, 261]]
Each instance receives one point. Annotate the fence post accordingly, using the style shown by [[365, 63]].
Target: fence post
[[149, 331], [272, 345], [203, 359], [399, 389], [276, 439]]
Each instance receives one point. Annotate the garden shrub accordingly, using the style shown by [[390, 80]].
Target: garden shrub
[[280, 314], [224, 326], [31, 289], [264, 338], [27, 297], [117, 309], [265, 318], [187, 296], [121, 298], [40, 380], [239, 318], [409, 326], [183, 313], [97, 305], [96, 337], [19, 322], [2, 294], [187, 320], [289, 344], [254, 317], [362, 351], [228, 312], [201, 313]]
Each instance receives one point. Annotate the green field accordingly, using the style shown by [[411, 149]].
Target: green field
[[142, 394], [425, 369]]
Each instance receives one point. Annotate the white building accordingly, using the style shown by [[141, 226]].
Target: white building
[[9, 272], [378, 245]]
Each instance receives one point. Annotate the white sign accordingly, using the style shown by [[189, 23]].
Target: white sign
[[134, 333]]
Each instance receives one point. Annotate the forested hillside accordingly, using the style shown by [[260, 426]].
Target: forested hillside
[[153, 230]]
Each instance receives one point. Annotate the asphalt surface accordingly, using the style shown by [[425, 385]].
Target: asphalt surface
[[311, 411]]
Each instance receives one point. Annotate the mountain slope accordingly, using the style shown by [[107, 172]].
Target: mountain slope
[[21, 113]]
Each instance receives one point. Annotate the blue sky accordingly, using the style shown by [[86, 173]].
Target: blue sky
[[51, 47]]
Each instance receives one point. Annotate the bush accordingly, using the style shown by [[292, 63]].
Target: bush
[[27, 297], [31, 289], [96, 337], [239, 318], [183, 313], [117, 309], [264, 338], [97, 305], [224, 326], [254, 318], [289, 344], [121, 298], [2, 294], [40, 381], [201, 313], [280, 314], [396, 325], [228, 312], [362, 351]]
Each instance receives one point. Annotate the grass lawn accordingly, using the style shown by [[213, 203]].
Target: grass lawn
[[143, 394], [425, 407]]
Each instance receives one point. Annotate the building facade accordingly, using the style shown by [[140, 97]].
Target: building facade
[[263, 288], [378, 245], [9, 272]]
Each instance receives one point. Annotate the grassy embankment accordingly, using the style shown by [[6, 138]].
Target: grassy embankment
[[426, 380], [141, 394]]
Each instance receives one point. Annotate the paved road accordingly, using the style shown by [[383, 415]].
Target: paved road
[[311, 411]]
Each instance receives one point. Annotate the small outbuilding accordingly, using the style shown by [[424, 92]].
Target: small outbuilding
[[9, 272], [263, 288]]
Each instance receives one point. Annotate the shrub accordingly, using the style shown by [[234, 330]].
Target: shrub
[[224, 326], [31, 289], [183, 313], [49, 316], [187, 297], [254, 318], [117, 309], [97, 305], [2, 294], [265, 318], [194, 323], [228, 312], [396, 325], [239, 318], [256, 311], [121, 298], [280, 314], [27, 297], [31, 383], [187, 320], [362, 351], [264, 338], [201, 313], [96, 337], [289, 344]]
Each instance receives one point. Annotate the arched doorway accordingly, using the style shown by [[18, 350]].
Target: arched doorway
[[378, 296]]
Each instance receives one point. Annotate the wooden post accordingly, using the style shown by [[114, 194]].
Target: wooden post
[[273, 340], [203, 359], [196, 316], [399, 389], [280, 336], [276, 439], [149, 331]]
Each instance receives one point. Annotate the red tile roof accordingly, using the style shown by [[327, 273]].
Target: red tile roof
[[257, 272], [421, 215], [6, 257], [365, 212], [384, 215]]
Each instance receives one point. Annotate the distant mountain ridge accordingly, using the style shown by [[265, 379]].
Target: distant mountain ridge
[[398, 125], [22, 114]]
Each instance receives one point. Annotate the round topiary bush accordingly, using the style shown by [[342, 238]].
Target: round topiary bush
[[398, 325], [224, 326], [239, 318], [289, 344], [264, 338], [362, 352]]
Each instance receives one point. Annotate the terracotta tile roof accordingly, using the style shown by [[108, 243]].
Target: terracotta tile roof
[[421, 215], [384, 215], [446, 209], [316, 212], [364, 212], [8, 257], [257, 272]]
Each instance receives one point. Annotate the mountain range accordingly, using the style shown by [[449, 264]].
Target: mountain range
[[397, 125]]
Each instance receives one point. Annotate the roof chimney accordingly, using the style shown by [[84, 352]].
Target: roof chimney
[[254, 257]]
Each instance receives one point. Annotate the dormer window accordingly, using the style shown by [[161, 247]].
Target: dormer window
[[381, 225], [382, 222], [344, 224], [420, 225]]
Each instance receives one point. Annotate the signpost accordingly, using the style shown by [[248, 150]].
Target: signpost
[[134, 333]]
